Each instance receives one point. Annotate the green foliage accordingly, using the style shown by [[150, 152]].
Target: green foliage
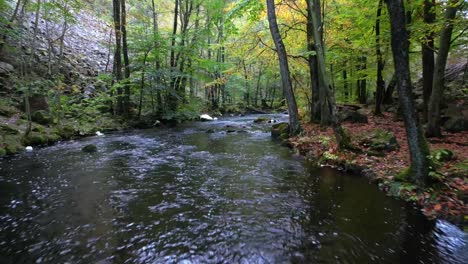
[[441, 155]]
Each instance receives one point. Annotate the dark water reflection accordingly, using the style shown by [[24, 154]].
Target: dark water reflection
[[187, 196]]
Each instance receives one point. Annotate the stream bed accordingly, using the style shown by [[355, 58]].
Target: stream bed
[[199, 193]]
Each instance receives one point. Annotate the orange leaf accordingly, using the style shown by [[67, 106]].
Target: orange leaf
[[437, 207]]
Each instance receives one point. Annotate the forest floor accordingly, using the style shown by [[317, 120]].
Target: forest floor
[[447, 195]]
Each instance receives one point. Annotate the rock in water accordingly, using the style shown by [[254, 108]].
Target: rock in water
[[206, 117], [99, 134], [29, 149], [89, 148]]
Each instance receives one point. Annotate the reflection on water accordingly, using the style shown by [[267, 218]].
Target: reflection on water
[[184, 195]]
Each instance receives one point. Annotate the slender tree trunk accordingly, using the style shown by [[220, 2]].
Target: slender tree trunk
[[294, 123], [433, 124], [10, 22], [328, 103], [313, 69], [172, 97], [362, 80], [142, 85], [117, 55], [419, 150], [380, 89], [428, 54], [123, 26]]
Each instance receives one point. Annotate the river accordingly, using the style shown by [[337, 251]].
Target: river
[[190, 195]]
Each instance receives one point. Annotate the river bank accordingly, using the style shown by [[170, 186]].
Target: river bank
[[382, 156]]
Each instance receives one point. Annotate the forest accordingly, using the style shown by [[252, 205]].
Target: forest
[[370, 88]]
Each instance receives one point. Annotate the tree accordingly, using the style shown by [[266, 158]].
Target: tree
[[380, 90], [327, 100], [419, 150], [294, 123], [433, 124], [117, 69], [428, 54]]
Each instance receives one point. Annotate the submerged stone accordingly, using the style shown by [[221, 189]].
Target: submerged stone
[[89, 148]]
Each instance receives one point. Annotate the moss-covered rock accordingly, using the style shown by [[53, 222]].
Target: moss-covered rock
[[42, 117], [52, 138], [12, 144], [280, 131], [39, 129], [8, 130], [89, 148], [34, 139], [2, 152], [66, 132], [261, 119], [380, 140], [6, 110]]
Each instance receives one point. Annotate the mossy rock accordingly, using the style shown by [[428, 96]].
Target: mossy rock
[[39, 129], [381, 140], [3, 152], [8, 111], [35, 139], [42, 117], [261, 119], [89, 148], [280, 130], [52, 138], [12, 144], [8, 130], [66, 132]]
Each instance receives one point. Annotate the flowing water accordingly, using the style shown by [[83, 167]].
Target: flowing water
[[183, 195]]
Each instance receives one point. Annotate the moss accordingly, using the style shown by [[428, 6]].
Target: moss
[[52, 138], [279, 129], [8, 130], [42, 117], [403, 175], [261, 119], [39, 129], [66, 132], [35, 139], [12, 144], [6, 110], [3, 152]]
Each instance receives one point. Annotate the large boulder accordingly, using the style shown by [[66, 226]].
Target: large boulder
[[38, 102], [456, 124], [352, 115]]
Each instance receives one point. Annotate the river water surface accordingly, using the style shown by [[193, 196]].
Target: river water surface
[[183, 195]]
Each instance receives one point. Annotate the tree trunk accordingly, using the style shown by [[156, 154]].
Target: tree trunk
[[123, 26], [117, 55], [433, 124], [313, 69], [362, 80], [172, 96], [419, 151], [326, 91], [380, 89], [294, 124], [428, 54]]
